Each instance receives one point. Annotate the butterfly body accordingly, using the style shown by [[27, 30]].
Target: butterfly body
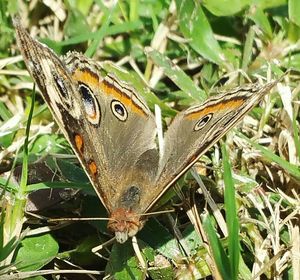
[[113, 132]]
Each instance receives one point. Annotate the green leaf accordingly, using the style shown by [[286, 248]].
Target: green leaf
[[182, 80], [267, 4], [49, 144], [83, 254], [225, 7], [218, 251], [37, 278], [5, 114], [72, 172], [85, 36], [231, 216], [196, 28], [83, 6], [159, 238], [92, 207], [123, 263], [248, 48], [9, 186], [76, 23], [8, 249], [191, 237], [35, 252], [261, 20], [292, 62], [164, 272], [294, 11]]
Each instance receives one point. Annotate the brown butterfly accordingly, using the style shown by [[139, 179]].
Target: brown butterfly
[[113, 132]]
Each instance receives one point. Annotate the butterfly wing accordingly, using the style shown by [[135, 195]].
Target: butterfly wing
[[124, 138], [196, 129], [109, 126]]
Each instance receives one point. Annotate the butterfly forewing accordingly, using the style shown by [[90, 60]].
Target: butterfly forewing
[[125, 132], [196, 129], [109, 126]]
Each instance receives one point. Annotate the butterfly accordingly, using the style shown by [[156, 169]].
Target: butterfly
[[113, 132]]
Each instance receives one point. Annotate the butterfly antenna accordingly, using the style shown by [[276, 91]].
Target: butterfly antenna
[[78, 219], [157, 212]]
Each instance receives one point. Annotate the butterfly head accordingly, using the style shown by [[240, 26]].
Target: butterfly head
[[124, 223]]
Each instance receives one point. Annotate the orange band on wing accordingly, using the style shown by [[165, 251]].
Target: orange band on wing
[[228, 105], [109, 89], [87, 77], [92, 80]]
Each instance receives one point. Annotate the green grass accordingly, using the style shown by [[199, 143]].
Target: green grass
[[185, 52]]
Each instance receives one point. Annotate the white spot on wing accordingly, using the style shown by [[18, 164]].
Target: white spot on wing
[[54, 95]]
